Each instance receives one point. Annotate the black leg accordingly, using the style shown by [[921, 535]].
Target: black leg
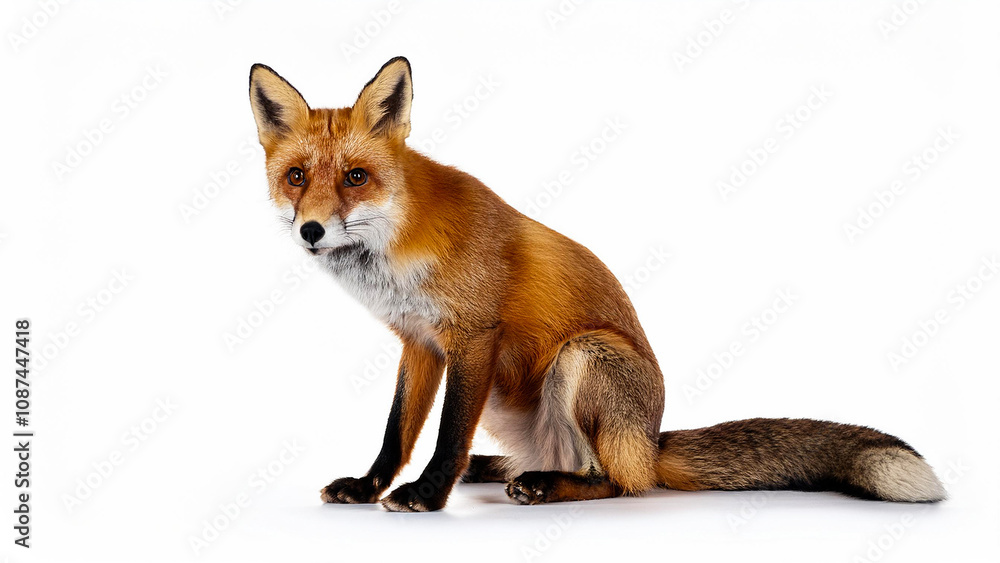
[[420, 371], [466, 389], [486, 469]]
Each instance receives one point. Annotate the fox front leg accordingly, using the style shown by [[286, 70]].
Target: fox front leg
[[420, 371], [466, 389]]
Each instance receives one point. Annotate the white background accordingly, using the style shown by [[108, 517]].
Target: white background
[[318, 370]]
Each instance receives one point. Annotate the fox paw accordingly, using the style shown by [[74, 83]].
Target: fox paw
[[529, 488], [408, 498], [349, 490]]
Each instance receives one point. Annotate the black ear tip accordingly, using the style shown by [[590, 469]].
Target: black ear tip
[[401, 59], [255, 69], [261, 66]]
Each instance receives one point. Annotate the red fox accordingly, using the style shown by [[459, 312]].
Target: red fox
[[541, 344]]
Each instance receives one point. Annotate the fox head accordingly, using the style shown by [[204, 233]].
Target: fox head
[[336, 174]]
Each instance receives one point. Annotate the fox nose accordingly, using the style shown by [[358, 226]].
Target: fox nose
[[312, 232]]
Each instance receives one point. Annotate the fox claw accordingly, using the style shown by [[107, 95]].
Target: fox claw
[[349, 490]]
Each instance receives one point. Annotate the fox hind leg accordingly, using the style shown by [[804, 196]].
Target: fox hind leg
[[615, 402], [619, 404], [487, 469], [538, 487]]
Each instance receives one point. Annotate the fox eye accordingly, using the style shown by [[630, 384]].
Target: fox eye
[[356, 177], [296, 177]]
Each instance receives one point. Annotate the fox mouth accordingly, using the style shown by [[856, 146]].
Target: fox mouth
[[328, 250]]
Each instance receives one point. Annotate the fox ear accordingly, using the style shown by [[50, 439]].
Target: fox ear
[[277, 105], [384, 103]]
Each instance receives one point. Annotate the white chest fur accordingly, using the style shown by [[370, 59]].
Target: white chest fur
[[395, 297]]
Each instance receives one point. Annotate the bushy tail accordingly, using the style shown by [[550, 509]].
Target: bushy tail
[[796, 454]]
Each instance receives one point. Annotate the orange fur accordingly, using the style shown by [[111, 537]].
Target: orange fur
[[525, 319], [491, 270]]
